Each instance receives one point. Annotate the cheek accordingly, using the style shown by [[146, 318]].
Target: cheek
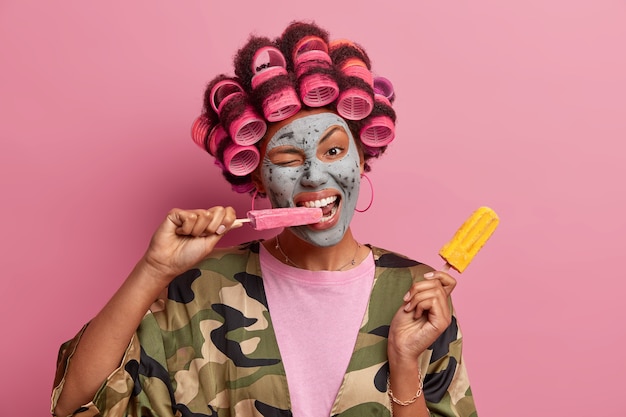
[[346, 173], [280, 182]]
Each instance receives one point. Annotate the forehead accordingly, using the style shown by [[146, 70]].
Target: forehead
[[306, 130]]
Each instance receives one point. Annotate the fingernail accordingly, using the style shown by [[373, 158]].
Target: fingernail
[[429, 275], [220, 229], [407, 307], [407, 296]]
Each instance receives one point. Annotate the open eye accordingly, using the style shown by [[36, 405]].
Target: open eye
[[334, 151], [333, 145]]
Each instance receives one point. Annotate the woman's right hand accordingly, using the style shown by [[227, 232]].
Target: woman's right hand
[[184, 238]]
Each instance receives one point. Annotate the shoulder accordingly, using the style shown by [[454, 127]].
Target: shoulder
[[385, 258], [398, 267]]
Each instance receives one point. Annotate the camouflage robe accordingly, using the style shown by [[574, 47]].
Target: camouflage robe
[[208, 348]]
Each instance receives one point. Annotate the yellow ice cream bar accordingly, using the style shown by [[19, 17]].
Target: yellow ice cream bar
[[470, 237]]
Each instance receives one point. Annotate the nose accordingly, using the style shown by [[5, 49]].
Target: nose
[[314, 175]]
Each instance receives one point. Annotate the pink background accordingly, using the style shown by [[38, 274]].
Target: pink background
[[519, 105]]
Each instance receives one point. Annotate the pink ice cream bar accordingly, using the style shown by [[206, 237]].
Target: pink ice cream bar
[[282, 217]]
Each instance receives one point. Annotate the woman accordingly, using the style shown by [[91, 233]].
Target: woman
[[308, 323]]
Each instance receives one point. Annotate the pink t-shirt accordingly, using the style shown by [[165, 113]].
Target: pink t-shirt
[[316, 317]]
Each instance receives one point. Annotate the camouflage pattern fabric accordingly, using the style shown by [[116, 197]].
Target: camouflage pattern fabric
[[208, 348]]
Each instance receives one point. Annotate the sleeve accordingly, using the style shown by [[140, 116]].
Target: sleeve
[[113, 396], [446, 384], [139, 386]]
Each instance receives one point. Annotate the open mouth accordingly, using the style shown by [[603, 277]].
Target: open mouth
[[329, 206]]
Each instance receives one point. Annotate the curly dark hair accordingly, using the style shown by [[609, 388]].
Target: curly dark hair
[[301, 53]]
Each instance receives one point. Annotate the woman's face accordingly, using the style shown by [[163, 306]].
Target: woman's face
[[312, 160]]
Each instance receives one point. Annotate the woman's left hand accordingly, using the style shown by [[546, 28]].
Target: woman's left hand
[[422, 318]]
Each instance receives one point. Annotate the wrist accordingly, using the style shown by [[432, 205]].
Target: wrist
[[405, 391], [401, 355], [152, 274], [401, 387]]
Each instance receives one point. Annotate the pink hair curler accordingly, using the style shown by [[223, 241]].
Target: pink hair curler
[[317, 89], [308, 44], [238, 160], [267, 57], [241, 160], [283, 103], [379, 131], [354, 104], [336, 43], [248, 128], [216, 136], [222, 92], [355, 67], [384, 87], [310, 60], [243, 188], [268, 63], [382, 99], [199, 130], [266, 75]]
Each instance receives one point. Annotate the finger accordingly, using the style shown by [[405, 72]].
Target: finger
[[435, 310], [227, 222], [173, 216], [448, 282], [206, 218], [421, 301], [204, 223], [422, 286], [188, 220]]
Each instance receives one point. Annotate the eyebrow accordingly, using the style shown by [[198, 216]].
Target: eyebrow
[[329, 134], [287, 150], [287, 135], [290, 135]]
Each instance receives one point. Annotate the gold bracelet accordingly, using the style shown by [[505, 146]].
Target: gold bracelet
[[412, 400]]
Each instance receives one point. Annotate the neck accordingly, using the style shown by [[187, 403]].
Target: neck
[[294, 251]]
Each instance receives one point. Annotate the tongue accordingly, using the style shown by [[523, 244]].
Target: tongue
[[327, 209]]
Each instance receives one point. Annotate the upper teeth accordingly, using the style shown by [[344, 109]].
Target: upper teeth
[[320, 203]]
